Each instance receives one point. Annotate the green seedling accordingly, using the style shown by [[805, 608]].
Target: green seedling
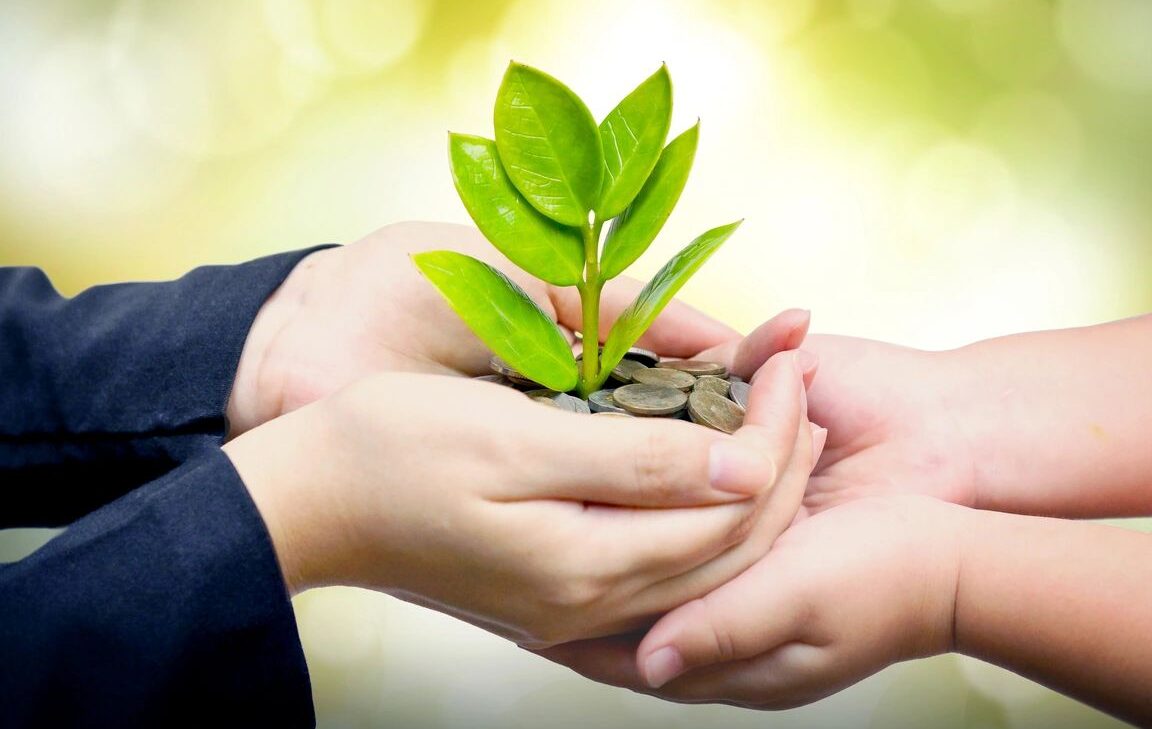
[[542, 192]]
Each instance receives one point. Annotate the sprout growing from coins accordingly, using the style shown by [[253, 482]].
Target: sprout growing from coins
[[542, 193]]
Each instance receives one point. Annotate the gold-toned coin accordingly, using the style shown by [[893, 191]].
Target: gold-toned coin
[[623, 371], [494, 379], [641, 399], [738, 392], [620, 414], [668, 378], [712, 383], [544, 400], [718, 413], [695, 367], [602, 401]]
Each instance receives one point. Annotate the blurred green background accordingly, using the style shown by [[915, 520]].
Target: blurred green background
[[924, 171]]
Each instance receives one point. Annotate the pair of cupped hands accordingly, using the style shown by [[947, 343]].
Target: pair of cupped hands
[[766, 568]]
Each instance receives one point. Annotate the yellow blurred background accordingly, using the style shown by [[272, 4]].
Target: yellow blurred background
[[924, 171]]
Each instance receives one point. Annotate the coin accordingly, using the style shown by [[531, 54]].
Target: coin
[[620, 414], [669, 378], [695, 367], [738, 391], [571, 404], [624, 370], [500, 367], [602, 401], [494, 379], [712, 383], [643, 356], [543, 400], [718, 413], [641, 399]]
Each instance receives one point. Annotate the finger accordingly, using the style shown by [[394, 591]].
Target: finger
[[776, 406], [792, 675], [679, 331], [782, 332], [753, 614], [643, 462], [610, 660], [819, 439]]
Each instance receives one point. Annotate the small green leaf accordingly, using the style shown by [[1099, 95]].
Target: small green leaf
[[631, 233], [502, 316], [632, 136], [545, 249], [640, 314], [549, 144]]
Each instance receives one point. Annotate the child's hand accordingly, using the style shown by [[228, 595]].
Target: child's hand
[[840, 596]]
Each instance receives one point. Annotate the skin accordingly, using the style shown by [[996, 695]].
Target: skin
[[921, 446], [373, 463]]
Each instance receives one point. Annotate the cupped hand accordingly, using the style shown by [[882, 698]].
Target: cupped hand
[[350, 311], [840, 596], [540, 525], [889, 412]]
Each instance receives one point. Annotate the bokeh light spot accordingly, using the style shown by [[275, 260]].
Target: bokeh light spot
[[1110, 40]]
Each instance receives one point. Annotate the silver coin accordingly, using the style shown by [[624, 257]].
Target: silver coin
[[622, 372], [602, 401], [643, 356], [494, 379], [500, 367], [738, 391], [735, 378], [669, 378], [572, 404], [714, 384], [543, 400], [695, 367], [718, 413], [641, 399]]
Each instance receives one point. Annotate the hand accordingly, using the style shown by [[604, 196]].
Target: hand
[[347, 312], [539, 525], [840, 596], [890, 413]]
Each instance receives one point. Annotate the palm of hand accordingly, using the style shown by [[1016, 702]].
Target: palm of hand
[[887, 411], [365, 308]]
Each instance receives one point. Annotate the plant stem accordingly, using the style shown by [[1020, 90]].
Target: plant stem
[[590, 307]]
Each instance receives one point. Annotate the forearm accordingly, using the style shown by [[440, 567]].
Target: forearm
[[1068, 604], [1060, 422]]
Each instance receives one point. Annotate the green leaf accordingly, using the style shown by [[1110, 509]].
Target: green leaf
[[502, 316], [549, 144], [545, 249], [631, 233], [632, 136], [640, 314]]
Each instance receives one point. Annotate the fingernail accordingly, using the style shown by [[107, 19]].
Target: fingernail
[[736, 469], [663, 666], [806, 362], [819, 438]]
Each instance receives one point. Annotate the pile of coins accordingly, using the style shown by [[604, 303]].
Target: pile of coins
[[644, 385]]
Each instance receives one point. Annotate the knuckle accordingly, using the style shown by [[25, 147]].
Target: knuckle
[[722, 643], [653, 466]]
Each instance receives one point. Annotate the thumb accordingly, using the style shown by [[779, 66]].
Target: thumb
[[751, 615], [782, 332]]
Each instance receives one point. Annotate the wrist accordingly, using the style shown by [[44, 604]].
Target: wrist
[[281, 464], [258, 390]]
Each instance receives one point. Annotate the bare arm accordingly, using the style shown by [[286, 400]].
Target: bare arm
[[1068, 604], [1061, 421]]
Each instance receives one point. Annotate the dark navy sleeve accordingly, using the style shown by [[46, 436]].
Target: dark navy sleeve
[[165, 607], [118, 385]]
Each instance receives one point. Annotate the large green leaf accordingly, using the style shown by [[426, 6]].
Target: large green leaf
[[631, 233], [640, 314], [502, 316], [549, 144], [632, 136], [542, 247]]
